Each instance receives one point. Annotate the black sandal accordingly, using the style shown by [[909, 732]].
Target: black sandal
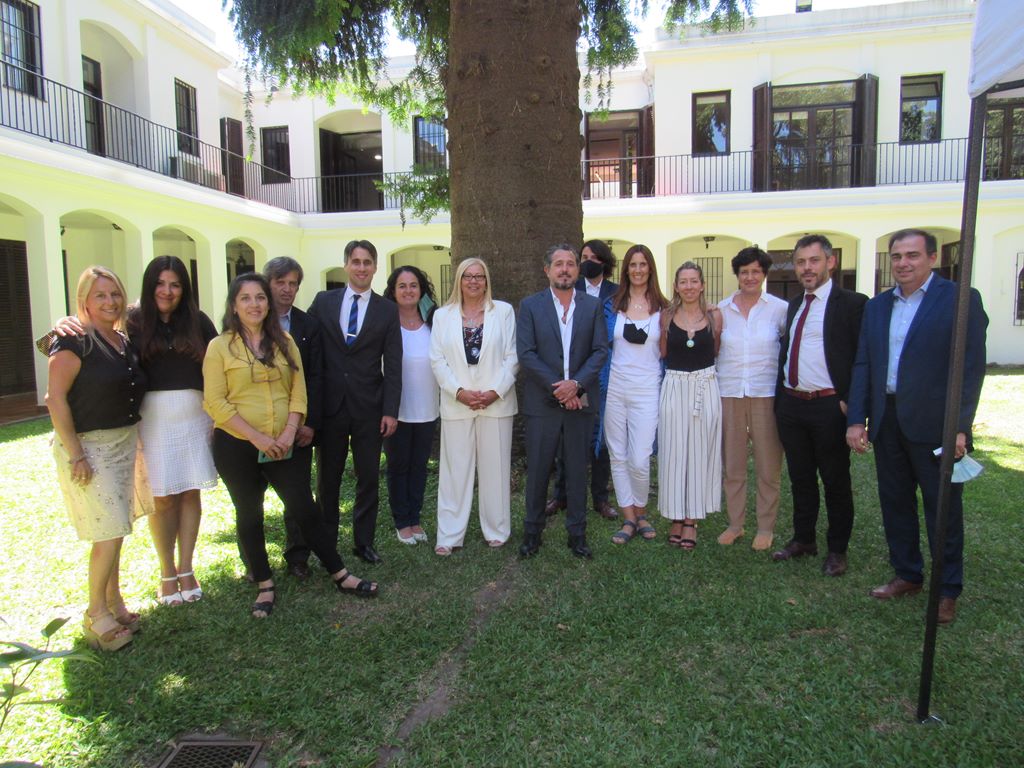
[[688, 543], [363, 589], [264, 606]]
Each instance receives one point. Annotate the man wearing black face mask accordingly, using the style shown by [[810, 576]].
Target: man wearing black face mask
[[597, 264]]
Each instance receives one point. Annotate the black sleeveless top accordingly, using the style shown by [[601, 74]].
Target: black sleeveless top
[[679, 357]]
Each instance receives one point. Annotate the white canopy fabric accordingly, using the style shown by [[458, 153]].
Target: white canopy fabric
[[997, 49]]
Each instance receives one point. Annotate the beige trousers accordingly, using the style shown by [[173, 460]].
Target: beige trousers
[[471, 449], [753, 419]]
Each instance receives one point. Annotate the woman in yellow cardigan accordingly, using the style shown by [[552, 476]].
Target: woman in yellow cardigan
[[255, 393]]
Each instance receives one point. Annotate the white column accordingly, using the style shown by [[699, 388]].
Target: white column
[[46, 281]]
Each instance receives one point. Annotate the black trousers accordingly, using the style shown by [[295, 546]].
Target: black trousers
[[813, 434], [246, 480], [408, 451], [600, 474], [331, 456], [572, 430], [296, 549]]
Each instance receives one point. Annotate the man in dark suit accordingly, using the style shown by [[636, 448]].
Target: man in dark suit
[[285, 276], [597, 265], [562, 343], [815, 360], [362, 387], [899, 393]]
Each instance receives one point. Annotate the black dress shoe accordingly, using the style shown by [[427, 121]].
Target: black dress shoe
[[553, 505], [299, 570], [795, 549], [835, 564], [605, 510], [367, 554], [578, 546], [530, 545]]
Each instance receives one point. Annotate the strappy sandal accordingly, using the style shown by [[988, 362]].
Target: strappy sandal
[[126, 618], [266, 607], [688, 543], [173, 599], [647, 532], [363, 589], [191, 595], [624, 536], [675, 539], [104, 633]]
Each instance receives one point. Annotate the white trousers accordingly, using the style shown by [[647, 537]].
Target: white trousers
[[630, 428], [479, 448]]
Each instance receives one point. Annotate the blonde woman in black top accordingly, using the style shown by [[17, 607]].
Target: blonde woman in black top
[[94, 393]]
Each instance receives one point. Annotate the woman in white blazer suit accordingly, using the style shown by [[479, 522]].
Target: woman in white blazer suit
[[473, 356]]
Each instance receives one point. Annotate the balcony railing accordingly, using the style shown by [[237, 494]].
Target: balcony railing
[[67, 116]]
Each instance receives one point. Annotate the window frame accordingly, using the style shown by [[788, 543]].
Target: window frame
[[277, 165], [693, 123], [27, 79], [938, 105], [186, 116], [417, 159]]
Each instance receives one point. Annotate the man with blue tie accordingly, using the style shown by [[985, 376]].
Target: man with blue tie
[[897, 401], [562, 341], [362, 388]]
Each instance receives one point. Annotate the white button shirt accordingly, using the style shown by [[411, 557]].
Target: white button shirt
[[812, 368], [904, 308], [748, 358], [346, 308], [566, 327]]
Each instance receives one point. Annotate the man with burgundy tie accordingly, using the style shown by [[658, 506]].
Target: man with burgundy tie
[[362, 387], [815, 364]]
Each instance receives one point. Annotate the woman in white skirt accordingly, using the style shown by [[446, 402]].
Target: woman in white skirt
[[171, 335], [633, 383], [94, 391], [690, 418]]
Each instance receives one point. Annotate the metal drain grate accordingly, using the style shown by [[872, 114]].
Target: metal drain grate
[[212, 754]]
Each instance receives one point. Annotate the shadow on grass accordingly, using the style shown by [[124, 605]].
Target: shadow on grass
[[31, 428]]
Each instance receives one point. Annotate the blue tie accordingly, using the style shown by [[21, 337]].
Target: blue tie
[[353, 319]]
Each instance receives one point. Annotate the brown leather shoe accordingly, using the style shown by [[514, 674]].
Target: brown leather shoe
[[947, 610], [605, 510], [729, 535], [834, 565], [896, 588], [553, 505], [794, 550]]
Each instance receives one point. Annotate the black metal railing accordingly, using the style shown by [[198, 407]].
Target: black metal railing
[[74, 118]]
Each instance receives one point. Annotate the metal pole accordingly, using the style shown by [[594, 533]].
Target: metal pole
[[954, 392]]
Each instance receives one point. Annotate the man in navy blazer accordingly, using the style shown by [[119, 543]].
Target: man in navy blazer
[[285, 277], [562, 344], [597, 264], [362, 388], [897, 401], [815, 359]]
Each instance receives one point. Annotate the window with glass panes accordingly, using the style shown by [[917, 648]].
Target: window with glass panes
[[920, 109]]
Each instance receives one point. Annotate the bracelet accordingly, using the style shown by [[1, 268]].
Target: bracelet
[[72, 462], [293, 426], [458, 392]]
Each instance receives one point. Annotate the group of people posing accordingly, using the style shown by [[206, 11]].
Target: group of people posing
[[150, 404]]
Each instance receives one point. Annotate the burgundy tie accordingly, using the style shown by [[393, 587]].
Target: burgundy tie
[[794, 356]]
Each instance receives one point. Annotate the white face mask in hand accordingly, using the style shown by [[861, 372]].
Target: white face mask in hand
[[965, 469]]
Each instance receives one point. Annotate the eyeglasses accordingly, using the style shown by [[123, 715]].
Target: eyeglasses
[[260, 371], [474, 278]]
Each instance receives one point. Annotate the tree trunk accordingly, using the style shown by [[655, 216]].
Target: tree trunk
[[514, 136]]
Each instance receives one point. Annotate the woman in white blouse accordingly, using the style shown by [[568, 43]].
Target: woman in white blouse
[[408, 449], [473, 354], [748, 367]]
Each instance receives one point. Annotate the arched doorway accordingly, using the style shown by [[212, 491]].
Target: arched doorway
[[713, 254], [434, 260], [948, 263], [782, 278]]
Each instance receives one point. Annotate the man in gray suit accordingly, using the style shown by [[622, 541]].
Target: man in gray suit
[[562, 343]]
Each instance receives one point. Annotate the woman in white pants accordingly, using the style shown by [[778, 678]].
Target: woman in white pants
[[634, 382], [473, 356]]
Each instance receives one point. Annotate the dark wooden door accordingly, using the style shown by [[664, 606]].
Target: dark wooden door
[[232, 161], [17, 373]]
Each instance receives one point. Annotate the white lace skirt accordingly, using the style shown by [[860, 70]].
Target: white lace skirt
[[106, 507], [175, 433]]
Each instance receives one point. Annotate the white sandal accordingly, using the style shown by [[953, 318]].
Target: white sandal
[[191, 595], [173, 599]]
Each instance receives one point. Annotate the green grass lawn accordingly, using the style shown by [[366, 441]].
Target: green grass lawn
[[647, 655]]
